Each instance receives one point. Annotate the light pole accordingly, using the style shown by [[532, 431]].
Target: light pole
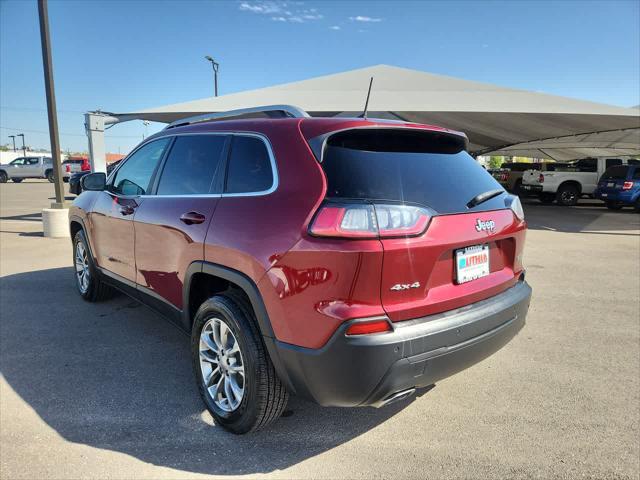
[[13, 138], [54, 138], [215, 66], [24, 149]]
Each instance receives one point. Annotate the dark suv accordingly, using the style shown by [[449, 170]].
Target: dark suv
[[348, 261]]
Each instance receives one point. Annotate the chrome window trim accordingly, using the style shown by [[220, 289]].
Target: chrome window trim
[[274, 167]]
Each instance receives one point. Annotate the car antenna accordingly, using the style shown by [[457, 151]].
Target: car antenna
[[366, 104]]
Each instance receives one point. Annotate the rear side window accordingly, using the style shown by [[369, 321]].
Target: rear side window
[[192, 164], [414, 167], [249, 168], [615, 173], [134, 176]]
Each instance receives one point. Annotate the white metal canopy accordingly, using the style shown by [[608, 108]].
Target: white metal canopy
[[496, 119]]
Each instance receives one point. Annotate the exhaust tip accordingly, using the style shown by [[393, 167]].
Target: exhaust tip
[[396, 397]]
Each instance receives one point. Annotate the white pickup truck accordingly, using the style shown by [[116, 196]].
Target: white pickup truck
[[28, 167], [568, 183]]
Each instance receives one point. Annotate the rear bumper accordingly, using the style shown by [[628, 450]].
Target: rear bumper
[[366, 370], [528, 189], [622, 196]]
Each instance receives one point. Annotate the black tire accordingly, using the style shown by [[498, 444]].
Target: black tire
[[611, 205], [96, 290], [49, 175], [16, 180], [264, 397], [547, 198], [568, 195], [516, 187], [3, 177], [65, 179]]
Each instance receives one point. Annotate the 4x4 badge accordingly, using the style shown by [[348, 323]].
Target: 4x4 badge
[[405, 286], [485, 225]]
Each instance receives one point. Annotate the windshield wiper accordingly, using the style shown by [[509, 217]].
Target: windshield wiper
[[483, 197]]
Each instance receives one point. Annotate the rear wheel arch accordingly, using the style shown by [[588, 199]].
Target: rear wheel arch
[[571, 183], [204, 280]]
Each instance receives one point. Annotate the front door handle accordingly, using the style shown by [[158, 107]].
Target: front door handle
[[191, 218]]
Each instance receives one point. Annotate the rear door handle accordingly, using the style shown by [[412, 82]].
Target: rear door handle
[[191, 218]]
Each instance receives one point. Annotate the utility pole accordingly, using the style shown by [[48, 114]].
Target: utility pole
[[13, 138], [24, 149], [215, 66], [47, 62]]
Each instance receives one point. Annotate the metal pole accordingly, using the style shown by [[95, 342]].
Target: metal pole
[[215, 66], [13, 138], [51, 103], [24, 149], [215, 76]]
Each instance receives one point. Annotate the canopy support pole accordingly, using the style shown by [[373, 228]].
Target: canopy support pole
[[94, 123]]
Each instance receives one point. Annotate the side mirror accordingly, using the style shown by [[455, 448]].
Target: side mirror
[[94, 181]]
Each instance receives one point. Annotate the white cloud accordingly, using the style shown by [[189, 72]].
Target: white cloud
[[334, 27], [281, 11], [365, 19], [261, 7]]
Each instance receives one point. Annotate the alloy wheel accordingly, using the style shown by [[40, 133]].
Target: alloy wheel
[[82, 267], [221, 365]]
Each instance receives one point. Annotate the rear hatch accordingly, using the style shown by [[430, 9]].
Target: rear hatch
[[612, 180], [416, 188]]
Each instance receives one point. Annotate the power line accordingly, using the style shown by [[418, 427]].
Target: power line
[[35, 109], [66, 134]]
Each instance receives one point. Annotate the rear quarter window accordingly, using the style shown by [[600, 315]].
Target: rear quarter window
[[249, 169]]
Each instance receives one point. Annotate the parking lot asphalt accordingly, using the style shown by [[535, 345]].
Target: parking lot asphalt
[[106, 390]]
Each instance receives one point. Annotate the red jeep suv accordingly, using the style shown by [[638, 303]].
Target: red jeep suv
[[348, 261]]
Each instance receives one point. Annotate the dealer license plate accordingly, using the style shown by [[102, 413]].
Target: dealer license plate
[[472, 263]]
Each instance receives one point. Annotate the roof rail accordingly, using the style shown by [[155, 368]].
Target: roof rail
[[274, 111]]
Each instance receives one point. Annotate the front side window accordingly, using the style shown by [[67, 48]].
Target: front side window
[[249, 168], [18, 161], [134, 177], [191, 165]]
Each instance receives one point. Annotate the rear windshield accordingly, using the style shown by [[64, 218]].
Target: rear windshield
[[406, 166], [615, 173]]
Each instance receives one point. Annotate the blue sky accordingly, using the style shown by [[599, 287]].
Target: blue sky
[[127, 55]]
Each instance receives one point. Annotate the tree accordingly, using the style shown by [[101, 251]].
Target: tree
[[495, 161]]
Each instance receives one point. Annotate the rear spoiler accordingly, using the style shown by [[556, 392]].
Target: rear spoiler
[[443, 141]]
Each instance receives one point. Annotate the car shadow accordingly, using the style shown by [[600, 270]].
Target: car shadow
[[30, 217], [589, 217], [115, 376]]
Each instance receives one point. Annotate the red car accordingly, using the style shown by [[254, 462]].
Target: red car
[[348, 261]]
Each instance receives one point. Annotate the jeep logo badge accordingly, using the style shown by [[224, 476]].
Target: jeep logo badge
[[485, 225]]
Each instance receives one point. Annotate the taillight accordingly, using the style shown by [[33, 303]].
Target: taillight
[[516, 207], [541, 178], [365, 220], [367, 328], [627, 185], [68, 168]]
